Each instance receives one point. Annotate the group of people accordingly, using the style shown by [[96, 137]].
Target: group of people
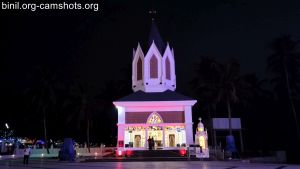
[[151, 143]]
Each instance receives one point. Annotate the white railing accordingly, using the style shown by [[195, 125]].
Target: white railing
[[53, 152]]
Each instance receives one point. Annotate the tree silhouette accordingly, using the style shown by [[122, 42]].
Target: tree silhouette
[[204, 86], [232, 88], [79, 102], [44, 96], [218, 83], [205, 82], [113, 90], [284, 65]]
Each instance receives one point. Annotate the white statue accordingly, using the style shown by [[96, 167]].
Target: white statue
[[201, 139]]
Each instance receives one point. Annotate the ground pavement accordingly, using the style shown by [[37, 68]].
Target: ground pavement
[[38, 163]]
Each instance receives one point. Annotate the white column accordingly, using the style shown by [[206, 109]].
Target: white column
[[146, 137], [188, 125], [121, 124], [121, 114], [163, 144]]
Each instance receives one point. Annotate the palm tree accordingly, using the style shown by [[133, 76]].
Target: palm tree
[[221, 83], [113, 90], [204, 86], [232, 88], [79, 99], [284, 63], [205, 81], [43, 96]]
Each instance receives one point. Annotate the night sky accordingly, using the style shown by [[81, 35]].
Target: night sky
[[96, 46], [95, 43]]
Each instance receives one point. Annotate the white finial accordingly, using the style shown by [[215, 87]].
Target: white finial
[[200, 119]]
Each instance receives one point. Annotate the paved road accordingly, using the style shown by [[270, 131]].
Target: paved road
[[54, 164]]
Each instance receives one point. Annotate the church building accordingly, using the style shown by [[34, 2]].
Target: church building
[[154, 109]]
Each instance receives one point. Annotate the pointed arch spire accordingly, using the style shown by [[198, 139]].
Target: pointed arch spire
[[157, 64]]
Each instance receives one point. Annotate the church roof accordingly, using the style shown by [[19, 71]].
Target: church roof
[[155, 36], [155, 96]]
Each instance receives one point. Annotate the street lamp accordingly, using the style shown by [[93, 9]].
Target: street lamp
[[6, 125]]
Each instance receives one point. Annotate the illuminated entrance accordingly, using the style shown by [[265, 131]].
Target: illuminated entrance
[[165, 135], [155, 131]]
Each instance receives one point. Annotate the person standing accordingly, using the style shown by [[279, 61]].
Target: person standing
[[149, 143], [26, 155], [152, 144]]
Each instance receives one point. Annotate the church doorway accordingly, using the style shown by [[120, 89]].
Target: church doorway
[[156, 132]]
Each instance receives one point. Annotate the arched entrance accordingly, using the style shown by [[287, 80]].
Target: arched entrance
[[155, 131]]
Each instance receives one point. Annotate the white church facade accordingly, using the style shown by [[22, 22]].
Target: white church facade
[[154, 109]]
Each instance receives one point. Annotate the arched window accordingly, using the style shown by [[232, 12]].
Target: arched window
[[168, 71], [153, 67], [154, 118], [139, 69]]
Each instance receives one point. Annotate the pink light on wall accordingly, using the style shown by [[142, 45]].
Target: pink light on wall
[[121, 143]]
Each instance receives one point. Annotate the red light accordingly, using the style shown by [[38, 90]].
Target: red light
[[182, 152], [129, 153], [119, 153]]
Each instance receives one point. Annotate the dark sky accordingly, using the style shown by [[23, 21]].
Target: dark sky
[[94, 46]]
